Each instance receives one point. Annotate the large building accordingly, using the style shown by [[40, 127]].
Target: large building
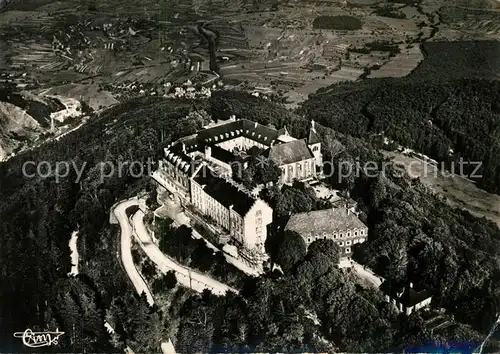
[[338, 224], [197, 170], [242, 215]]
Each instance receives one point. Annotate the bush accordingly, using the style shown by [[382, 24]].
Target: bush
[[166, 282], [348, 23]]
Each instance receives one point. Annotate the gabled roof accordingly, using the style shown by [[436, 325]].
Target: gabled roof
[[224, 192], [290, 152], [326, 221], [404, 294], [313, 137]]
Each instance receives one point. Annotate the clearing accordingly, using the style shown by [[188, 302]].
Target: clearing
[[458, 191]]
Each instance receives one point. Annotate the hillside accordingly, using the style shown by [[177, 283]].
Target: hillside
[[16, 128], [38, 216], [445, 120], [25, 119]]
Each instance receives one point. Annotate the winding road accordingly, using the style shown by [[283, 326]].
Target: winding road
[[184, 275], [126, 249]]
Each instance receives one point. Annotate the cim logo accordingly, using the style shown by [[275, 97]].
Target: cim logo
[[39, 339]]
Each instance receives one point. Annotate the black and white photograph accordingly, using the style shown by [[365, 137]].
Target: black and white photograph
[[249, 176]]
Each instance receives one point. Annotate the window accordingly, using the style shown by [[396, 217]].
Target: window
[[341, 243], [258, 230], [258, 213], [348, 243], [308, 240], [341, 235], [348, 234], [362, 232], [334, 236], [348, 250], [259, 221], [355, 233]]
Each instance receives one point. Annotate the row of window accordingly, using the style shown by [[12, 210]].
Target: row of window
[[349, 234], [340, 243], [217, 212], [176, 175]]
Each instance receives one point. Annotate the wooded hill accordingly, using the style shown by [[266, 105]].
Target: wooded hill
[[313, 306]]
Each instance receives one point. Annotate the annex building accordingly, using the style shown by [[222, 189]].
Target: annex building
[[340, 224], [197, 171], [405, 297]]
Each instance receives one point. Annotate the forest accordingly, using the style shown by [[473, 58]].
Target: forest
[[312, 306], [446, 120]]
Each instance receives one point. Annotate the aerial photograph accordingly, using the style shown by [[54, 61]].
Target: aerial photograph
[[249, 176]]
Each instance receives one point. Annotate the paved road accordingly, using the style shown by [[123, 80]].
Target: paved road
[[126, 250], [127, 260], [184, 275]]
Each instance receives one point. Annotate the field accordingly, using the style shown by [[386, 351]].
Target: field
[[290, 47], [459, 192]]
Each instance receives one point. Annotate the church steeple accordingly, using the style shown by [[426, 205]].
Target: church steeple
[[314, 143], [313, 135]]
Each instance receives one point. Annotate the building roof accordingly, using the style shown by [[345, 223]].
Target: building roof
[[329, 220], [235, 128], [223, 191], [180, 160], [313, 137], [285, 138], [225, 155], [290, 152], [404, 294]]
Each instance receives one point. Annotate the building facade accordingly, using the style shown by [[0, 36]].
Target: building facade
[[405, 298], [338, 224], [295, 159], [245, 217], [197, 170]]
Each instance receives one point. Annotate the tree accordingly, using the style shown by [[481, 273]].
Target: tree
[[166, 282], [291, 250]]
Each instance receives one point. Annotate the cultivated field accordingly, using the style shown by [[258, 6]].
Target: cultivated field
[[266, 43]]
